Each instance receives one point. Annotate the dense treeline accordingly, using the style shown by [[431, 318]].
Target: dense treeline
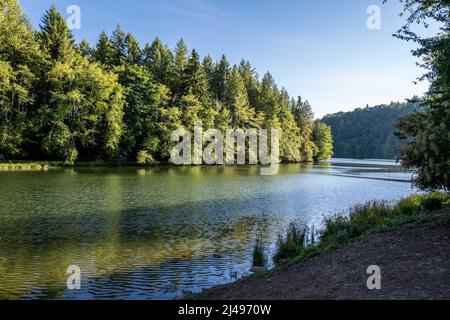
[[368, 133], [119, 101]]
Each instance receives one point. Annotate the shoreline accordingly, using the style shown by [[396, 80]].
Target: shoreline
[[414, 263], [45, 165]]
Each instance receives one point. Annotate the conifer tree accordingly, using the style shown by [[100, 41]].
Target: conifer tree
[[208, 68], [181, 60], [250, 78], [54, 37], [193, 80], [133, 50], [103, 51], [220, 78], [158, 59], [323, 140], [84, 49], [119, 46], [237, 101]]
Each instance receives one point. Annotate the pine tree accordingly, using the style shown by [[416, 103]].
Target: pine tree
[[158, 59], [220, 78], [54, 37], [119, 46], [250, 78], [208, 68], [181, 60], [237, 101], [133, 50], [84, 49], [194, 81], [269, 97], [305, 121], [141, 113], [103, 51]]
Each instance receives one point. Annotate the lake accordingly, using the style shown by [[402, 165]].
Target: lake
[[161, 232]]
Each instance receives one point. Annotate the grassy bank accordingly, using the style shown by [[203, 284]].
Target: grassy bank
[[300, 244], [356, 223], [46, 165]]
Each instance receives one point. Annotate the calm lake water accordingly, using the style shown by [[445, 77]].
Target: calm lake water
[[158, 233]]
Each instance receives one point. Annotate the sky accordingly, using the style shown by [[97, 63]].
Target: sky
[[321, 50]]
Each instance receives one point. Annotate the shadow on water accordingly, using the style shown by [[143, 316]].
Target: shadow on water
[[155, 233], [189, 246]]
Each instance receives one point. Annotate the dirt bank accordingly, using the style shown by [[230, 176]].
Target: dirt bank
[[414, 262]]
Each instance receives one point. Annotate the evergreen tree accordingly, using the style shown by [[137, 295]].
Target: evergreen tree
[[290, 139], [158, 59], [181, 60], [269, 95], [144, 99], [323, 140], [208, 68], [55, 38], [237, 101], [193, 80], [220, 78], [85, 50], [103, 51], [119, 47], [305, 121], [250, 78], [133, 50]]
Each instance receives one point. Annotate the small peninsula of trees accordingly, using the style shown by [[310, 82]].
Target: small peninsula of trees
[[118, 101]]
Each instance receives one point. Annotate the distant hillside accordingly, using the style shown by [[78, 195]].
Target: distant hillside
[[367, 133]]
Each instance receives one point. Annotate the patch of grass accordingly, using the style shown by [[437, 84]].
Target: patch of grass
[[18, 165], [293, 242], [356, 223], [259, 259]]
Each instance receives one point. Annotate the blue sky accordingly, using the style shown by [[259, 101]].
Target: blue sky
[[319, 49]]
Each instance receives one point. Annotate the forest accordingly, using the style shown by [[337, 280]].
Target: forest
[[369, 133], [119, 101]]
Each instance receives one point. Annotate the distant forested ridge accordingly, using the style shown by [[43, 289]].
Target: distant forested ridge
[[118, 100], [368, 133]]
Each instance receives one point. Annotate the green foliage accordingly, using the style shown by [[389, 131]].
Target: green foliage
[[117, 102], [323, 140], [103, 51], [368, 133], [144, 158], [293, 242], [54, 37], [20, 63], [426, 134], [86, 114], [360, 219]]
